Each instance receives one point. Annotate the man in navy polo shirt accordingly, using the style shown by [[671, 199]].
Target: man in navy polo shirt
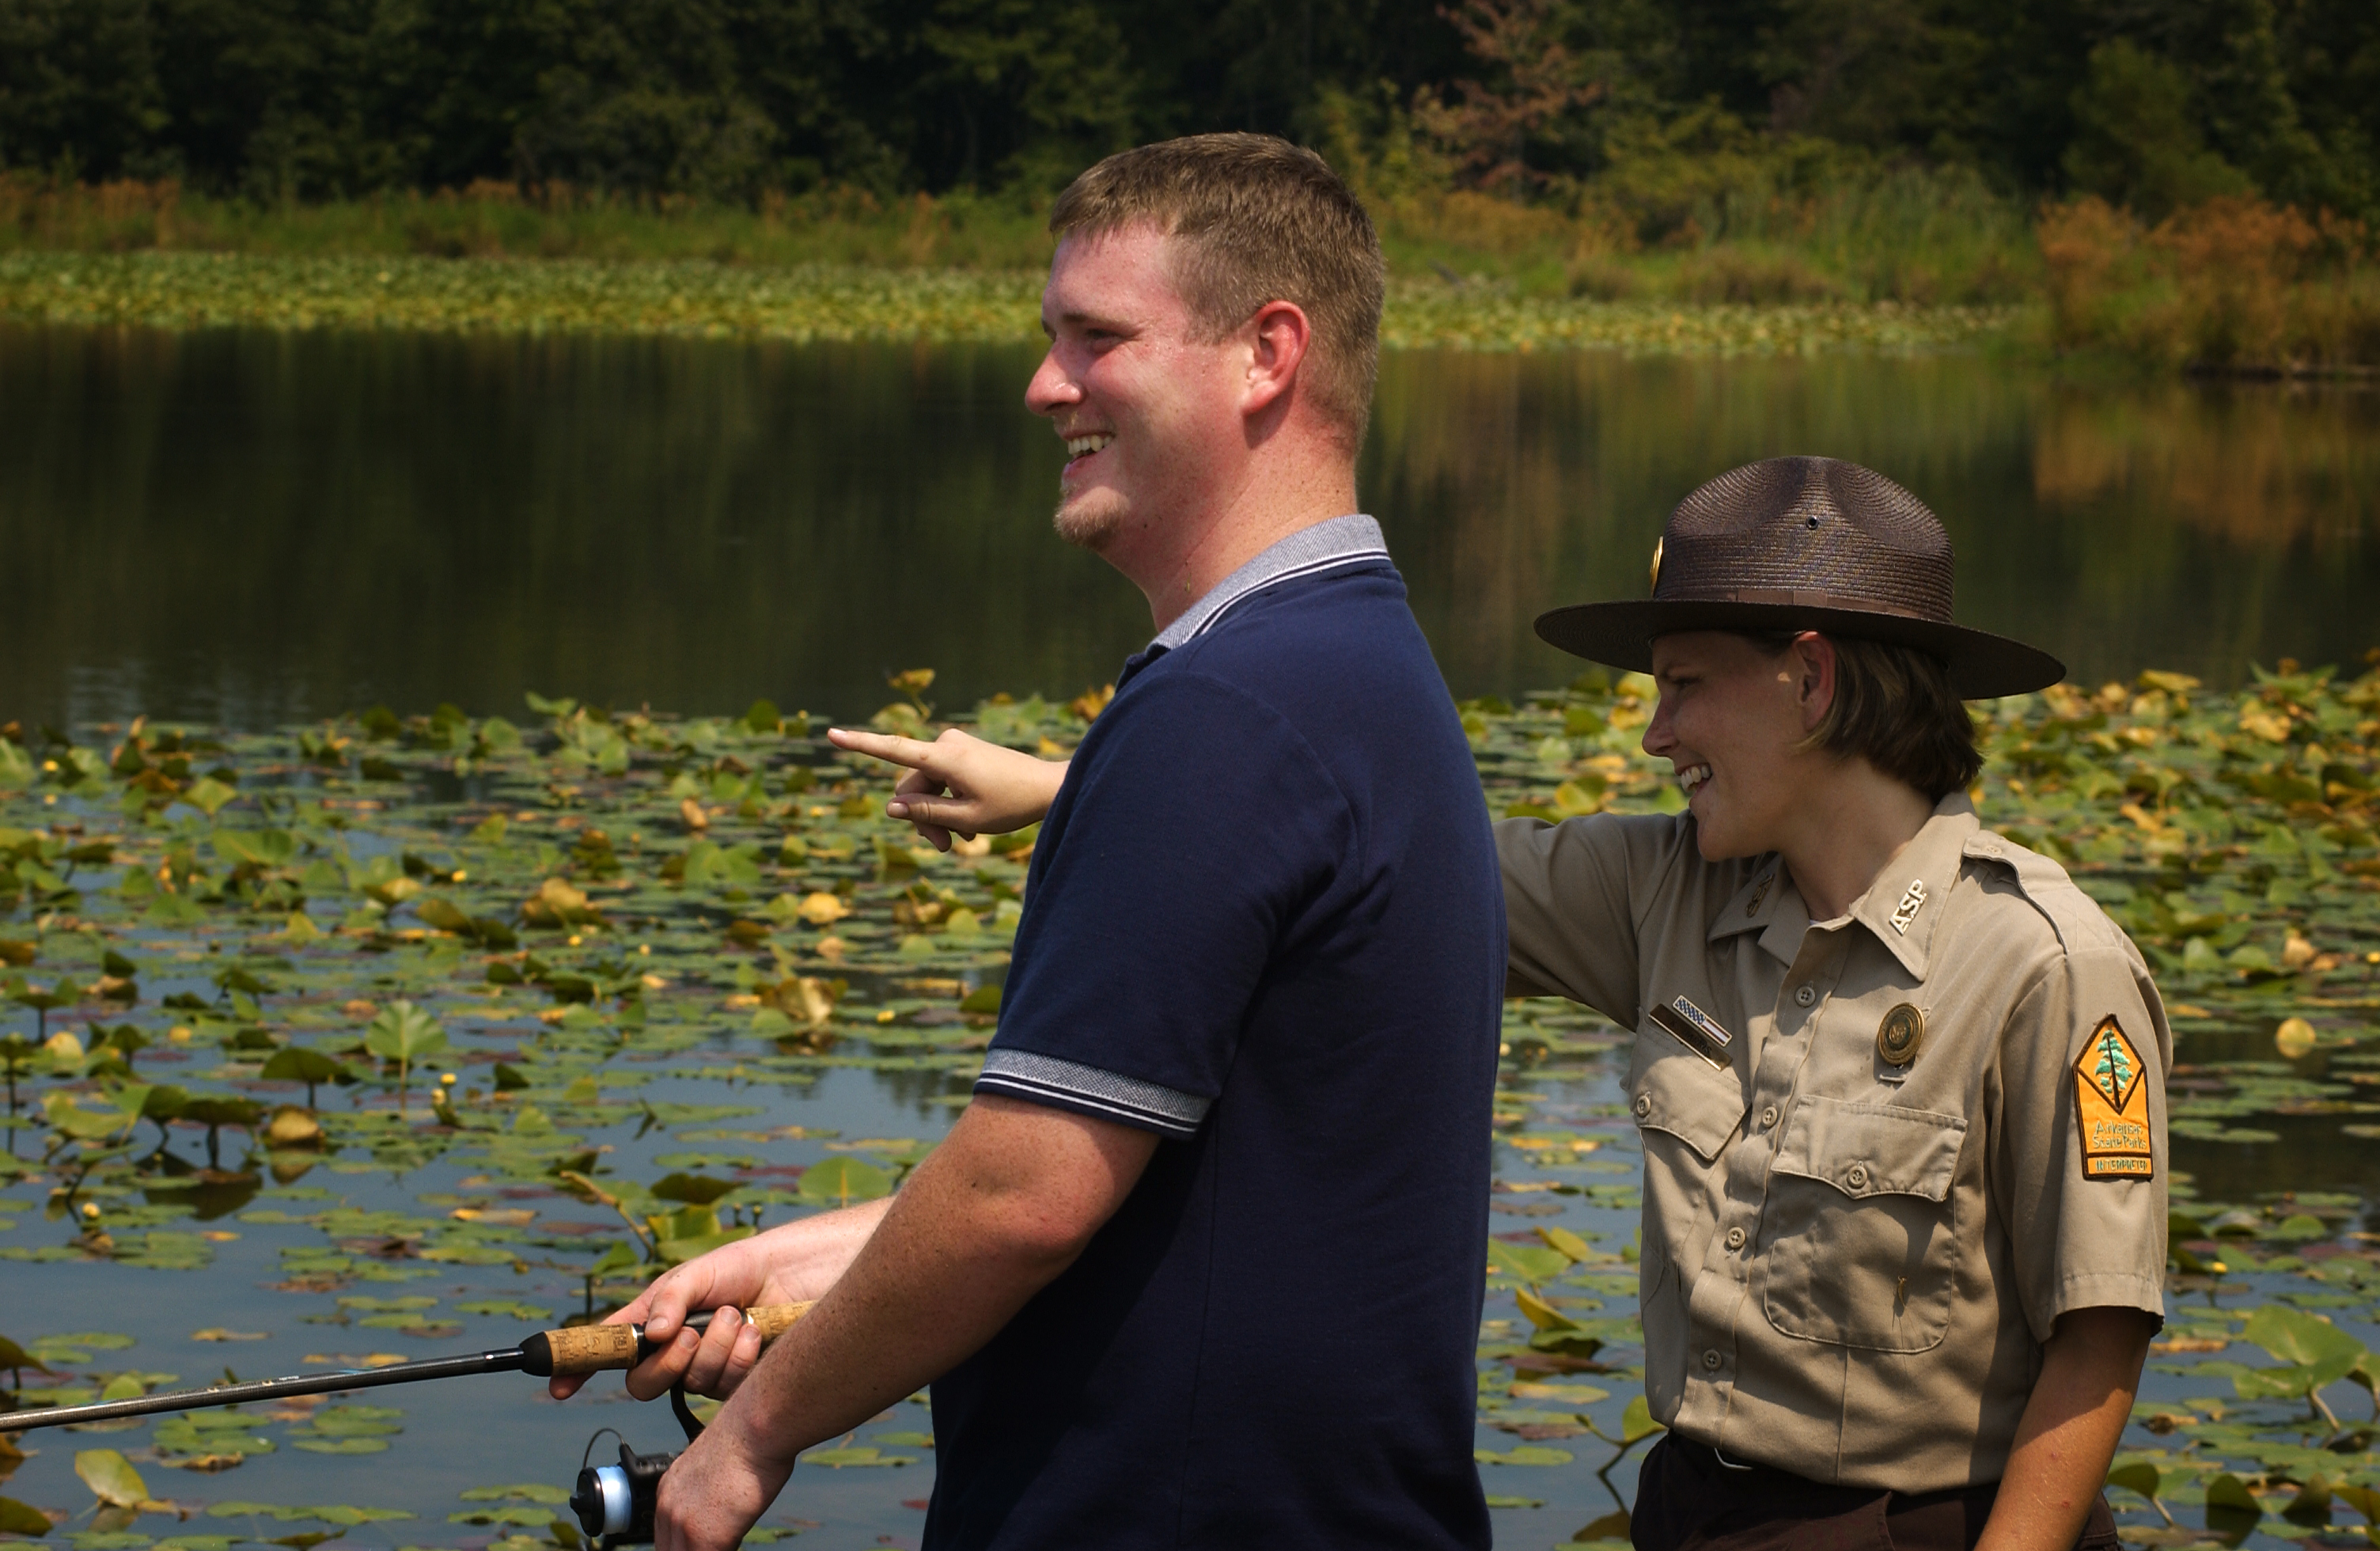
[[1200, 1266]]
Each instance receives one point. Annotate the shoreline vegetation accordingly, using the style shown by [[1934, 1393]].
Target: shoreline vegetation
[[815, 303], [1899, 262]]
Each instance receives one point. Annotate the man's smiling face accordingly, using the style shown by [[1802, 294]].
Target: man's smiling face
[[1146, 410]]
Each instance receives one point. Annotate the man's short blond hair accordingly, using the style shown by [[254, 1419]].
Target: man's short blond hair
[[1258, 220]]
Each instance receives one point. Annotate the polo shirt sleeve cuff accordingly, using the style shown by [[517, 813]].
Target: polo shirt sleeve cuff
[[1086, 1090]]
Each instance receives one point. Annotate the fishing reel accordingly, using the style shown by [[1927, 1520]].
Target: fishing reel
[[615, 1503]]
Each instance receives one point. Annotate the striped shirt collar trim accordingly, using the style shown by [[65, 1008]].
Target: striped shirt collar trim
[[1354, 540]]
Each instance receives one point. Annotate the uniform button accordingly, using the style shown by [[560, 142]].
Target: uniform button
[[1711, 1360], [1735, 1238], [1806, 995], [1856, 1176], [1769, 1117], [1643, 1105]]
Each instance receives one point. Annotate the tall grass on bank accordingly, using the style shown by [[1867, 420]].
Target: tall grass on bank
[[490, 220], [1913, 238], [1721, 259], [2232, 285], [812, 302], [1917, 238]]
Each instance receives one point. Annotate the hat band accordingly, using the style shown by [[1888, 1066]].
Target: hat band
[[1796, 598]]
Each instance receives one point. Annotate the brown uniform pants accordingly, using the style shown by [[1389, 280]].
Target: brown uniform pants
[[1687, 1501]]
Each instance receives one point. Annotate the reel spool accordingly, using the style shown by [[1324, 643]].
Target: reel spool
[[615, 1503]]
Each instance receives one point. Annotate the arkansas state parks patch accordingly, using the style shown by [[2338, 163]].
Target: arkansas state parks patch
[[2112, 1105]]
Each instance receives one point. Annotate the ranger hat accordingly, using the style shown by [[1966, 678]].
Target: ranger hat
[[1804, 544]]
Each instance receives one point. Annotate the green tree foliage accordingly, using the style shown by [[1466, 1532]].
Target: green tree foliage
[[282, 100], [2136, 142]]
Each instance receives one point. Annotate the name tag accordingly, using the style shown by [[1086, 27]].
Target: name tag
[[1696, 1029]]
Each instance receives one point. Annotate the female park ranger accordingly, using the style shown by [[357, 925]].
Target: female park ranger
[[1899, 1083]]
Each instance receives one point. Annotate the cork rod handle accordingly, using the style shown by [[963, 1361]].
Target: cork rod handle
[[775, 1319], [592, 1349]]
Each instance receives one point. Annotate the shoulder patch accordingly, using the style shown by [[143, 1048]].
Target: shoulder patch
[[2112, 1106]]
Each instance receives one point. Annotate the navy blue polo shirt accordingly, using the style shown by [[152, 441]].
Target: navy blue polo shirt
[[1264, 921]]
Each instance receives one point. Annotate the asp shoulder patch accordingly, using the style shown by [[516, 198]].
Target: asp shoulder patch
[[2112, 1106]]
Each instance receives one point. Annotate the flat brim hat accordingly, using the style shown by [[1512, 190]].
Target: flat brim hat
[[1804, 544]]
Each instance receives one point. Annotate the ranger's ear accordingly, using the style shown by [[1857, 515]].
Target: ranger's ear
[[1815, 691]]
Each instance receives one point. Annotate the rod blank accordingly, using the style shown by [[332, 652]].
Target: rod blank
[[502, 1361], [586, 1349]]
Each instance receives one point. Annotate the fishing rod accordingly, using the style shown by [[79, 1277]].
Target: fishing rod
[[613, 1503], [579, 1349]]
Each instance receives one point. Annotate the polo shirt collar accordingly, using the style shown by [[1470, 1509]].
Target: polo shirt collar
[[1354, 540], [1901, 908]]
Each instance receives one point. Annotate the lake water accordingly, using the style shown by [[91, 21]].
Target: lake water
[[252, 529]]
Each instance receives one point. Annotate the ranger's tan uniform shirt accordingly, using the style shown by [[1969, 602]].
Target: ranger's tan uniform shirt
[[1853, 1251]]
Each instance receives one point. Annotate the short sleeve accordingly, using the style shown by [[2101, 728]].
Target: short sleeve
[[2081, 1159], [1570, 903], [1196, 828]]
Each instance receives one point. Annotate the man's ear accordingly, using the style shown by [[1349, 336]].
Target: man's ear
[[1280, 337], [1815, 684]]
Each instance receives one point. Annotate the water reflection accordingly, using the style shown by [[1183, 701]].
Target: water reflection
[[2198, 527], [256, 529]]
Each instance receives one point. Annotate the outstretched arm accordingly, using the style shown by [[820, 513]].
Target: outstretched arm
[[2090, 1368], [960, 784], [995, 1212]]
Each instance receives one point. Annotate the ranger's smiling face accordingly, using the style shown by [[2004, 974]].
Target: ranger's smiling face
[[1731, 723], [1145, 407]]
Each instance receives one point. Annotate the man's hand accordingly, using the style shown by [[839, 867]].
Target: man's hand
[[960, 784], [795, 1263], [1004, 1204], [712, 1493]]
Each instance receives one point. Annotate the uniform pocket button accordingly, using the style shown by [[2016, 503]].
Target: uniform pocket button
[[1643, 1105], [1806, 995], [1769, 1117], [1856, 1177], [1711, 1360], [1735, 1238]]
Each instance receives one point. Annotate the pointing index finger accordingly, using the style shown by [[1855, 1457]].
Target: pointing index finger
[[888, 746]]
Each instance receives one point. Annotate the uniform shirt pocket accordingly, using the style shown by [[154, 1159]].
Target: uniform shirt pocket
[[1676, 1091], [1861, 1231]]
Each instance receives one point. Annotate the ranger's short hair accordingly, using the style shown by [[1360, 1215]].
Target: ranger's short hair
[[1893, 707], [1258, 220]]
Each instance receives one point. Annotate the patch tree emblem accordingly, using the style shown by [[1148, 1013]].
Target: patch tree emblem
[[2112, 1106]]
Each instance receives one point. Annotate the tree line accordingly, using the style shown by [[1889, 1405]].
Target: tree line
[[2150, 104]]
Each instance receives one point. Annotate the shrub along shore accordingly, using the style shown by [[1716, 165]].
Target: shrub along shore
[[2232, 285]]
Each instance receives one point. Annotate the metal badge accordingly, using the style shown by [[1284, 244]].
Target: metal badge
[[1911, 900], [1654, 585], [1897, 1037]]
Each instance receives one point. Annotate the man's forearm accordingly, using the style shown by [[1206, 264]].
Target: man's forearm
[[988, 1218], [973, 1234], [911, 1306], [2090, 1371], [814, 1252]]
